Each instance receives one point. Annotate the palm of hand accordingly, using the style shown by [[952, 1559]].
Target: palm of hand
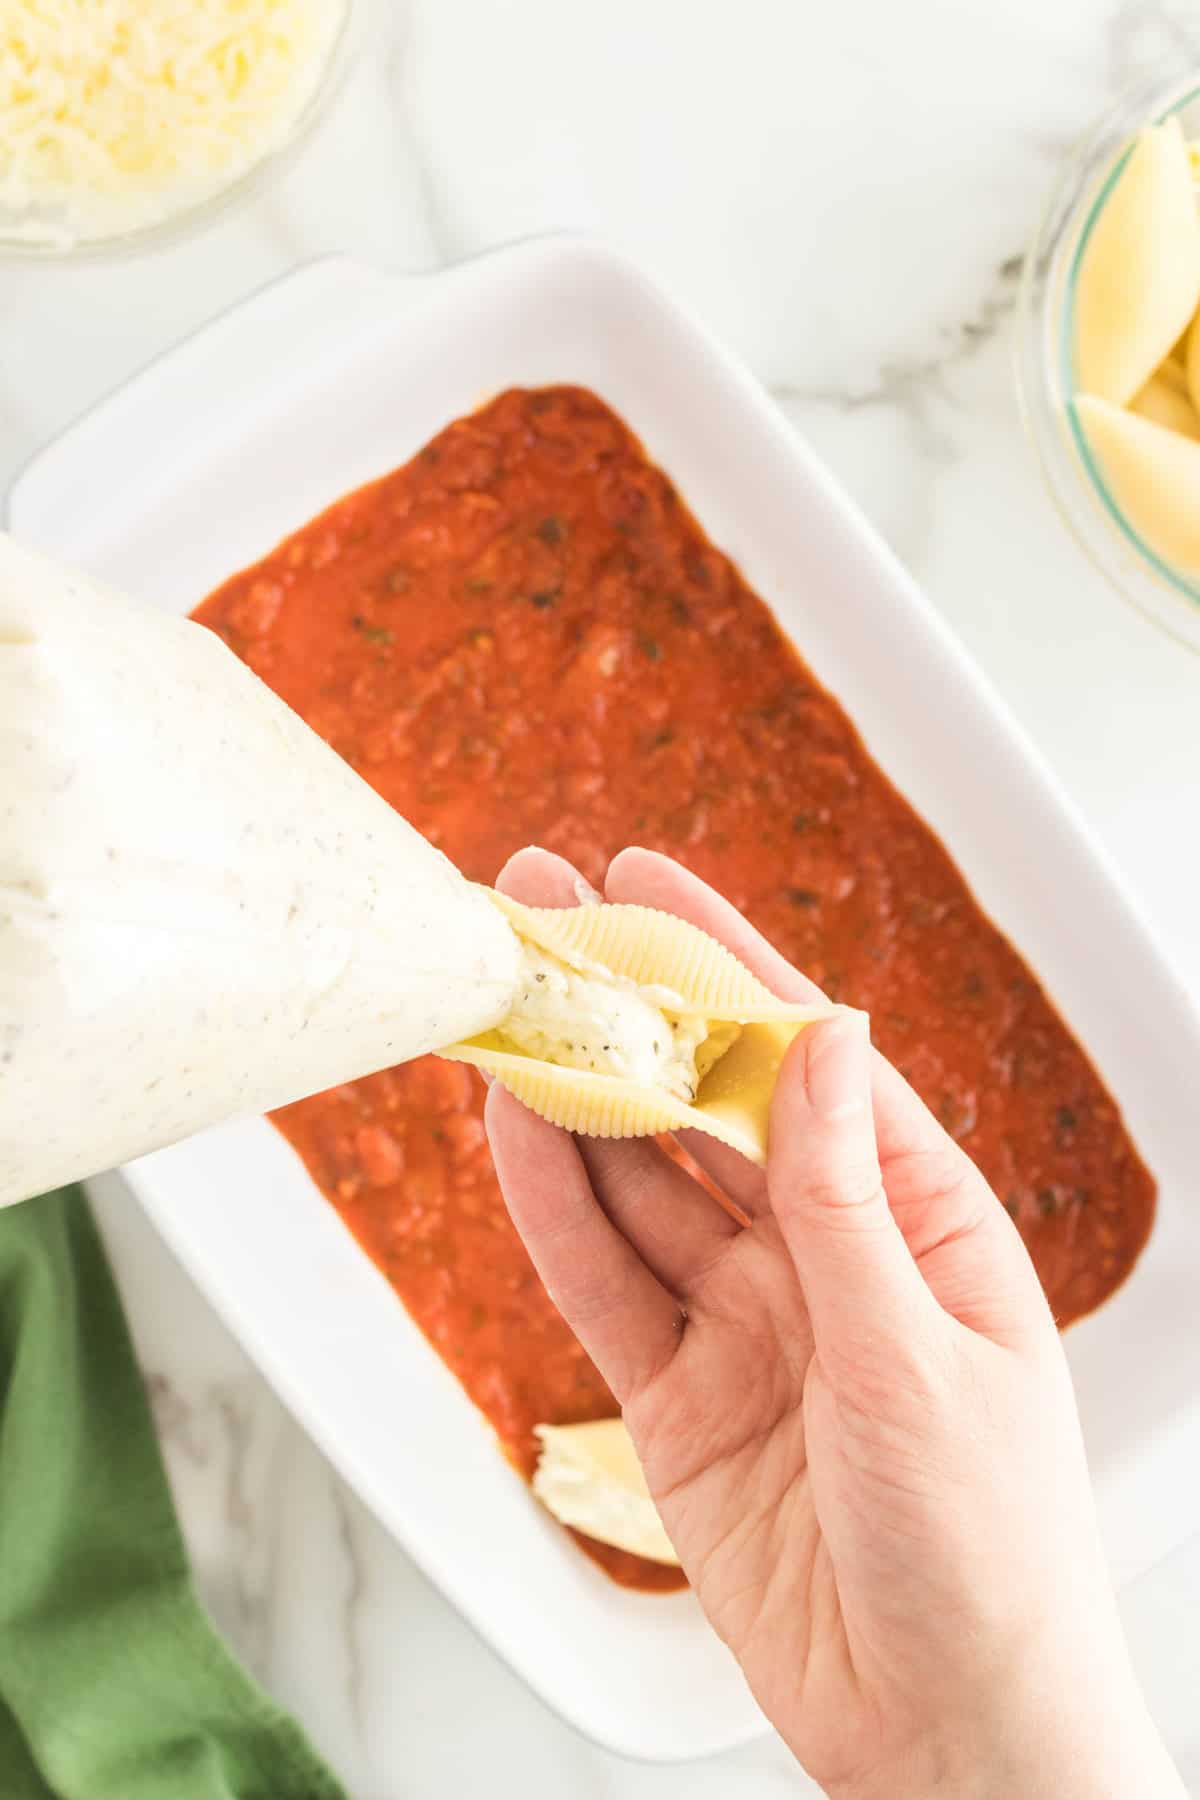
[[738, 1433], [722, 1435]]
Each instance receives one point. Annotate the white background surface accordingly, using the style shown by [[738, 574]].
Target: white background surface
[[842, 194]]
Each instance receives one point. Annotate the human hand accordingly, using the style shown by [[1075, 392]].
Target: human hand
[[854, 1413]]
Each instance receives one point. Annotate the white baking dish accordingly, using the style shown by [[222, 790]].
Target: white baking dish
[[341, 372]]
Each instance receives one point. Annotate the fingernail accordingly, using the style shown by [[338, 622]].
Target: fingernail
[[585, 893], [838, 1070]]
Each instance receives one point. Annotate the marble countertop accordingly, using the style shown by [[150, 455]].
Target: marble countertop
[[843, 194]]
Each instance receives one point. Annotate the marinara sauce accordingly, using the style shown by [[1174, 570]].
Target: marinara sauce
[[523, 636]]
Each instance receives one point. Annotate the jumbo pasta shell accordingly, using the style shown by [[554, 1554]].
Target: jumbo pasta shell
[[657, 951], [590, 1478], [1152, 474], [1139, 277], [685, 973]]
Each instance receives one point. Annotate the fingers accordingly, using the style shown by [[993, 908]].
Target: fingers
[[864, 1292], [676, 1228], [623, 1316], [538, 877], [958, 1235], [736, 1176], [966, 1246], [644, 878]]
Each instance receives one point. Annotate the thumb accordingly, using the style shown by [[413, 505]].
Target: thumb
[[865, 1294]]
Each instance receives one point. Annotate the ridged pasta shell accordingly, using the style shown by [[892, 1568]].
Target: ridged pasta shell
[[589, 1477], [656, 950], [685, 973]]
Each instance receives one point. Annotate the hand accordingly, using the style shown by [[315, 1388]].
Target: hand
[[854, 1413]]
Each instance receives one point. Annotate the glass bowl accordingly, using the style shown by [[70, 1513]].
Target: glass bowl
[[16, 245], [1045, 332]]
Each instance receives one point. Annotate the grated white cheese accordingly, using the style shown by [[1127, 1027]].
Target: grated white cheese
[[115, 114]]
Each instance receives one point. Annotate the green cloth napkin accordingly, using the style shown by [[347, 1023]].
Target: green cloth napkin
[[113, 1684]]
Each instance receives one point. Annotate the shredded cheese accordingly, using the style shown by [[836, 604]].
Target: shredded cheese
[[115, 114]]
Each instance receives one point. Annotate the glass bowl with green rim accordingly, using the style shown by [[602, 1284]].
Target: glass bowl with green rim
[[34, 236], [1045, 337]]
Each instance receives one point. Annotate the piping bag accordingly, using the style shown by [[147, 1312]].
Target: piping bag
[[205, 912]]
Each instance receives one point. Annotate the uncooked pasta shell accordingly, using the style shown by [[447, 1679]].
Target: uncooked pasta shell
[[686, 973], [1139, 277], [655, 949], [1152, 474]]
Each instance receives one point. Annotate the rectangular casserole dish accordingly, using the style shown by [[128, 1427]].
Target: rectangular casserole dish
[[335, 375]]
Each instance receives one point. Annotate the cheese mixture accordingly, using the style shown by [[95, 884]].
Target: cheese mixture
[[610, 1026]]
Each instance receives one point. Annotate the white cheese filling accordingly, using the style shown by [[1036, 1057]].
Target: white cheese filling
[[607, 1025]]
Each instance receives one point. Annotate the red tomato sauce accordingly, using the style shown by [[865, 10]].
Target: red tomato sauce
[[523, 636]]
